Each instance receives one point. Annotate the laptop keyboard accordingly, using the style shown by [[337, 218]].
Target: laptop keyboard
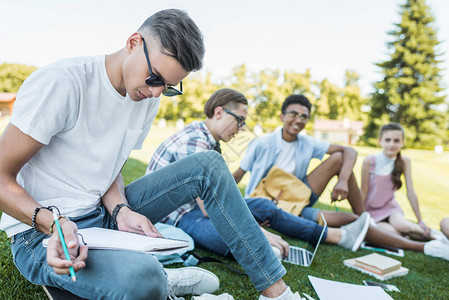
[[295, 256]]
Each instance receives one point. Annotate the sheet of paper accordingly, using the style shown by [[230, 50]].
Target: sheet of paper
[[334, 290], [102, 238]]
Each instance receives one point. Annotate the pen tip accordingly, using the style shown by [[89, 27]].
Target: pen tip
[[74, 278]]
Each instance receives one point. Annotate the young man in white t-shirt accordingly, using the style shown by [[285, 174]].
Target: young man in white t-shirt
[[74, 124]]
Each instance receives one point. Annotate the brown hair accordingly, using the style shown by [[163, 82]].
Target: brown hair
[[398, 163], [179, 36], [228, 98]]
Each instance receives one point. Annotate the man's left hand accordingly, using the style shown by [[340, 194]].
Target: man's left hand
[[131, 221]]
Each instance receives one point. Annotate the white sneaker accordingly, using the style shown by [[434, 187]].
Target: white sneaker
[[224, 296], [355, 232], [296, 296], [191, 281], [287, 295], [438, 235], [437, 249]]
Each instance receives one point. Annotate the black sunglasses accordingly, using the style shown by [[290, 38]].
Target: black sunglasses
[[154, 80], [295, 115], [240, 121]]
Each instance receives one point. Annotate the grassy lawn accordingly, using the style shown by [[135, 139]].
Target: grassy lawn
[[427, 278]]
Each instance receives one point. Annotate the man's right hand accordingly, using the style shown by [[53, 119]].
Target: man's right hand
[[276, 241], [55, 253]]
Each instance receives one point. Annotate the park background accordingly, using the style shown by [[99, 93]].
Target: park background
[[336, 54]]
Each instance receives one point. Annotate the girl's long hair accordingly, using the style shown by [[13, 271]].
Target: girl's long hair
[[398, 163]]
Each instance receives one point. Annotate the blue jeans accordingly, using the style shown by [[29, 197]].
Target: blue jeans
[[309, 212], [113, 274], [201, 229]]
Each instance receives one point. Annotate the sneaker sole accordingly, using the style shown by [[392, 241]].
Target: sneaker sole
[[362, 235]]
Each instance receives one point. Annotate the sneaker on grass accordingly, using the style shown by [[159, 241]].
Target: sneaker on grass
[[437, 249], [439, 235], [287, 295], [354, 233], [191, 281]]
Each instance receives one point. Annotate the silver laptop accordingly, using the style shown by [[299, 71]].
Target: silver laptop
[[304, 257]]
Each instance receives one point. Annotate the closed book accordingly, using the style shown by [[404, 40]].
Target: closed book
[[398, 272], [377, 263]]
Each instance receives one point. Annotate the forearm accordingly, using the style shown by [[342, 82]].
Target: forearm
[[415, 206], [115, 194], [349, 159], [17, 203], [238, 174]]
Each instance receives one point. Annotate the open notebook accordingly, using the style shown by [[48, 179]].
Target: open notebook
[[102, 238], [301, 256]]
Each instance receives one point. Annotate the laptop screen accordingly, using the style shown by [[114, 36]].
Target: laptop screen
[[304, 256], [321, 236]]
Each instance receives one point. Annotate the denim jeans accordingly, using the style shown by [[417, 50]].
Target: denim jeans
[[109, 274], [200, 228], [309, 212], [112, 274]]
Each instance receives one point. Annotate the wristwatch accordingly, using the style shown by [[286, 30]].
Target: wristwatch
[[117, 209]]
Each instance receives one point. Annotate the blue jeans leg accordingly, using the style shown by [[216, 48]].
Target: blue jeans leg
[[203, 232], [284, 222], [105, 275], [309, 212], [207, 176]]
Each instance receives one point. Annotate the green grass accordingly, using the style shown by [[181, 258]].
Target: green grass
[[427, 278]]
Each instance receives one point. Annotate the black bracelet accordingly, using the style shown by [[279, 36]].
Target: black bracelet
[[33, 219], [117, 209]]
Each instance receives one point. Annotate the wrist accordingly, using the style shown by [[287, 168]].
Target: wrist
[[41, 219], [422, 225], [61, 220], [118, 209]]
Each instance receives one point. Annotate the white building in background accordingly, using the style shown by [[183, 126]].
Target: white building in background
[[338, 131], [180, 124]]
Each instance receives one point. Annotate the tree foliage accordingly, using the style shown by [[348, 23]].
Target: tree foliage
[[266, 90], [13, 75], [410, 91]]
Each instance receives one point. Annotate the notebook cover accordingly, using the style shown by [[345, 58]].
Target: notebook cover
[[378, 263], [101, 238]]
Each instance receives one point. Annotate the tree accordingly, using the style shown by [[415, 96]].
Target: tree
[[410, 91], [353, 100], [13, 75]]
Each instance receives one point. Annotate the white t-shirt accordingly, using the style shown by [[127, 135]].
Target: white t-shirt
[[286, 159], [88, 129]]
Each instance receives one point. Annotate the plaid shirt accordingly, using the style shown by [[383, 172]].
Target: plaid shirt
[[194, 138]]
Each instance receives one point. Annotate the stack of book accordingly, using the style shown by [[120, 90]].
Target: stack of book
[[379, 266]]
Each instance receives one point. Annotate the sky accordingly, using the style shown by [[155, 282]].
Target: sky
[[325, 36]]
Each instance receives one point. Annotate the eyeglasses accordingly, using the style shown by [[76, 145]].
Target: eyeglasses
[[294, 114], [154, 80], [240, 121]]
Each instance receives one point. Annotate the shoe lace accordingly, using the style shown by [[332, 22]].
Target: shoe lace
[[177, 286], [172, 296]]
